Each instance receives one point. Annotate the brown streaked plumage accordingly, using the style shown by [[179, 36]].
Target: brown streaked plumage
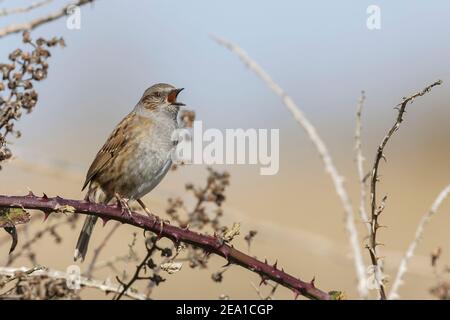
[[105, 168]]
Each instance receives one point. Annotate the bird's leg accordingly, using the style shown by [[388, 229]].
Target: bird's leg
[[123, 204], [151, 215], [147, 211]]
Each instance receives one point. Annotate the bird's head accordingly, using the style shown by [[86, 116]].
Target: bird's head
[[161, 97]]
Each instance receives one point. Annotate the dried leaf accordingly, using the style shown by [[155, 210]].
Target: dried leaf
[[65, 209], [13, 216], [229, 234], [171, 267], [337, 295], [13, 232]]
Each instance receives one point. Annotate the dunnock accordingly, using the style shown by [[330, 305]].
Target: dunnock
[[136, 156]]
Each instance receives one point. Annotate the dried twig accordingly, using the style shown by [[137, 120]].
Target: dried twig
[[330, 168], [360, 163], [210, 244], [15, 275], [393, 294], [82, 281], [142, 266], [15, 28], [32, 6], [376, 209]]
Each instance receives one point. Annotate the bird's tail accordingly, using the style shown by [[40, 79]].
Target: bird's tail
[[84, 237], [94, 194]]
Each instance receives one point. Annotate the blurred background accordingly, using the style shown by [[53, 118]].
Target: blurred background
[[323, 55]]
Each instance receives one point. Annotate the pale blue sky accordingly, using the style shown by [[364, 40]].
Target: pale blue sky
[[320, 51]]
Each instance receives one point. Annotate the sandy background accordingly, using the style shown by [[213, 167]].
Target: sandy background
[[323, 55]]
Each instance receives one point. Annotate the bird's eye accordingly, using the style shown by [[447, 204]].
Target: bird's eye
[[157, 94]]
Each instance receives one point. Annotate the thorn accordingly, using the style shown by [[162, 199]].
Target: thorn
[[263, 281], [44, 196], [105, 220], [296, 294], [265, 261], [30, 193], [227, 264], [59, 198], [46, 215], [275, 264], [313, 281]]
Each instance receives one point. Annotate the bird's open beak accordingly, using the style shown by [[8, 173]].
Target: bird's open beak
[[172, 97]]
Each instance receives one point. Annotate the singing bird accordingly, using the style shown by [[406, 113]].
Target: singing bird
[[136, 156]]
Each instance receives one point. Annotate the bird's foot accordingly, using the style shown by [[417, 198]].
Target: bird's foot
[[153, 216], [123, 204]]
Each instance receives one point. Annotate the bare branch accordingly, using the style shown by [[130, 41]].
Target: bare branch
[[393, 294], [15, 28], [375, 209], [32, 6], [210, 244], [59, 275], [317, 141], [360, 163]]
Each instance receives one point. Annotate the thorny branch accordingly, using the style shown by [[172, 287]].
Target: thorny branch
[[210, 244], [376, 209]]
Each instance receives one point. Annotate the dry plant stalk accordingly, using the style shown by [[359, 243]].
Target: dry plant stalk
[[376, 209], [360, 163], [328, 162]]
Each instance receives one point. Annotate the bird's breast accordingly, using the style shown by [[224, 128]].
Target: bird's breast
[[151, 156]]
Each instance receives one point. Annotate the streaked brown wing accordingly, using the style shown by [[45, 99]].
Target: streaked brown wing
[[115, 142]]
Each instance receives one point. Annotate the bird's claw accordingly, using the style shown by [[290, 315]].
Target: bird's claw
[[123, 204]]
